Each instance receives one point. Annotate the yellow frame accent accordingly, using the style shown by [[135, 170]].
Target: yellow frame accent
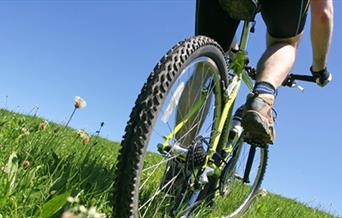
[[188, 116]]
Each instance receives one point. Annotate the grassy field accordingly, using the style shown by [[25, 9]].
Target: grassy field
[[50, 170]]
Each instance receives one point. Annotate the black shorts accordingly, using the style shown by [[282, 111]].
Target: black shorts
[[283, 18]]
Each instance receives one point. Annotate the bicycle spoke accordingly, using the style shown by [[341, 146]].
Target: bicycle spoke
[[157, 192], [150, 174], [198, 124], [160, 163], [190, 83]]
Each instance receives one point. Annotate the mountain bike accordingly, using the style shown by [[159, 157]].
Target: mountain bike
[[175, 162]]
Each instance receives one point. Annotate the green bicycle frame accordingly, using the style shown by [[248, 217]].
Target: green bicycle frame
[[238, 66]]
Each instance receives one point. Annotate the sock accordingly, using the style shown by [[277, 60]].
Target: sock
[[265, 87]]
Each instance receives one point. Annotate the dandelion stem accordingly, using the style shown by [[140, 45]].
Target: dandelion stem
[[72, 114], [98, 133]]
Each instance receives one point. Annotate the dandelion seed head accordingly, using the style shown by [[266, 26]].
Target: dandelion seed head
[[80, 103]]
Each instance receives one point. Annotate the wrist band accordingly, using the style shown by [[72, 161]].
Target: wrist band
[[318, 72]]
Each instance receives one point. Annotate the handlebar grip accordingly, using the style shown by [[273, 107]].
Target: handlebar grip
[[303, 78]]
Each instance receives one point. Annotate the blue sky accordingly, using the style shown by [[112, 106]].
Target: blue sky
[[103, 51]]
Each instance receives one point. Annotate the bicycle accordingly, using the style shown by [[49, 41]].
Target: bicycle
[[214, 160]]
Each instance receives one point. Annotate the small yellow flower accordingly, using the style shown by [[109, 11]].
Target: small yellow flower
[[80, 103], [43, 125]]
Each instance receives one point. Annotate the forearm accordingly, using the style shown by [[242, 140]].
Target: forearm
[[321, 31]]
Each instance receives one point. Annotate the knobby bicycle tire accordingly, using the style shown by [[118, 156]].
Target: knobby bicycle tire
[[142, 118]]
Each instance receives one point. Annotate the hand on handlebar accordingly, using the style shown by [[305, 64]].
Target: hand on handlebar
[[322, 77]]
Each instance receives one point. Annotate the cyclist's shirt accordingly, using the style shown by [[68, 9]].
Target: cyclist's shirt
[[283, 18]]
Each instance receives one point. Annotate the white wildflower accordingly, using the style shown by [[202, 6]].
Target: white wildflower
[[83, 209], [43, 125], [93, 214], [81, 132], [80, 103], [68, 214], [70, 199], [92, 211], [25, 131], [263, 192], [84, 136]]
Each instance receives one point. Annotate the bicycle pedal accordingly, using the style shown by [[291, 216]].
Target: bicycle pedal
[[255, 142]]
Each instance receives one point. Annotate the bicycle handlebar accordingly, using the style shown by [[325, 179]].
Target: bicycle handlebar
[[291, 79]]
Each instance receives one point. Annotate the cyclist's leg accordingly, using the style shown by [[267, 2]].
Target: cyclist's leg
[[285, 21], [213, 22], [277, 60]]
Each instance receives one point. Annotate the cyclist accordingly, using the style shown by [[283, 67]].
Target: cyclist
[[285, 21]]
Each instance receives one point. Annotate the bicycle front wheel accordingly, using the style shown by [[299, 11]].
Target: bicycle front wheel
[[178, 109]]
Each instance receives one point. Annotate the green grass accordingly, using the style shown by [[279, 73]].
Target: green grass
[[58, 164], [39, 169]]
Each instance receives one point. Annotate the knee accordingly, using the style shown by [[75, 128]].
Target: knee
[[291, 41], [322, 11]]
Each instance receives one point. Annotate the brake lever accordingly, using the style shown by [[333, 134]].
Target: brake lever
[[290, 82], [295, 85]]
